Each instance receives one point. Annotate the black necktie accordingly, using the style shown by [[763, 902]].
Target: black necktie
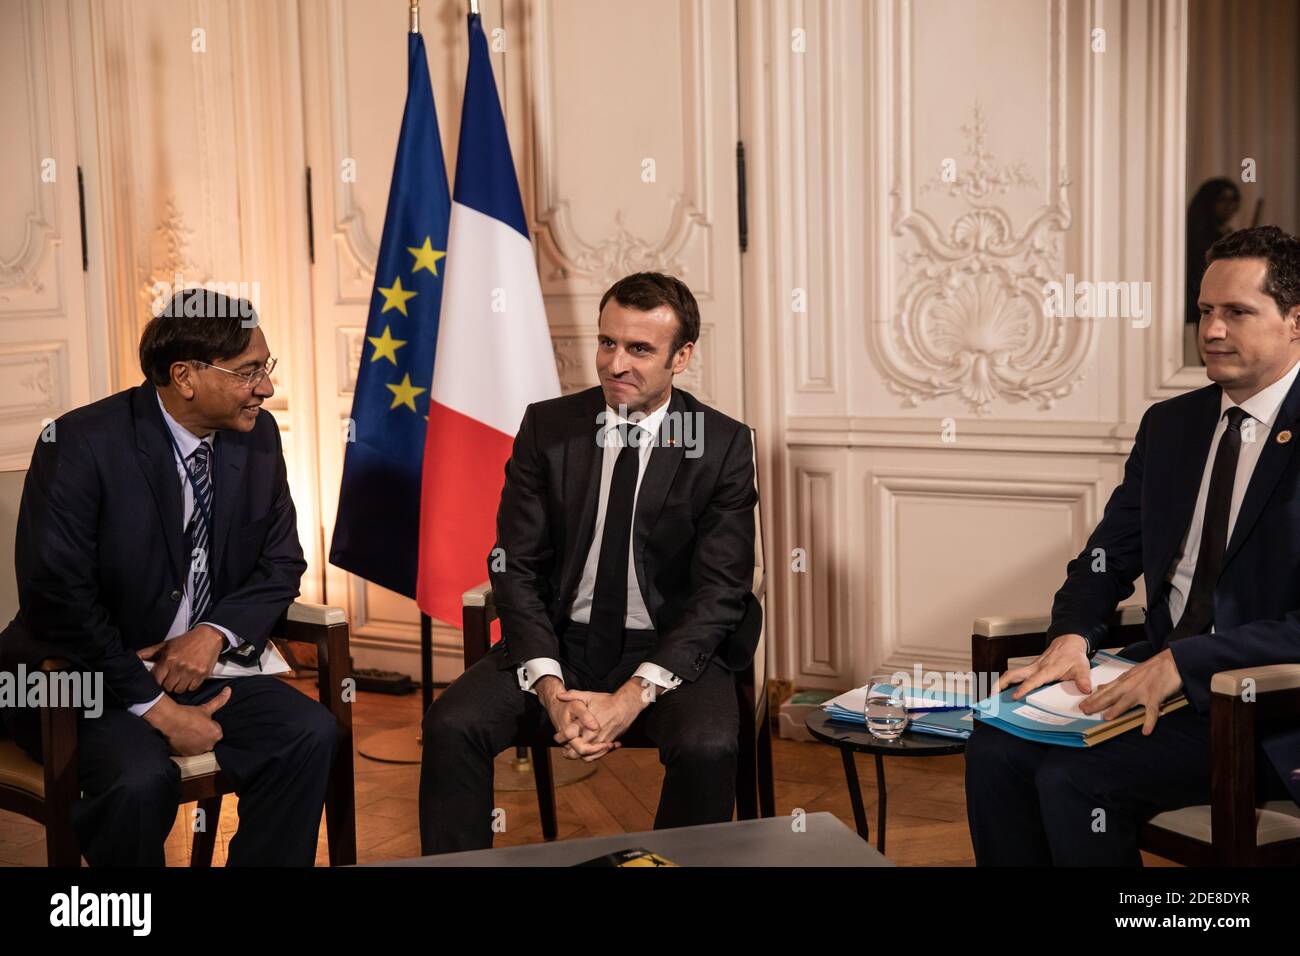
[[197, 532], [609, 599], [1198, 612]]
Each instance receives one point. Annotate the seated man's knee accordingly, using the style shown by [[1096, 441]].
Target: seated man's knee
[[705, 746], [987, 752], [1061, 774], [148, 783], [445, 721], [993, 754], [322, 729]]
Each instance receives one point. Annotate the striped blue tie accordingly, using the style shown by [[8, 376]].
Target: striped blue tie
[[200, 591]]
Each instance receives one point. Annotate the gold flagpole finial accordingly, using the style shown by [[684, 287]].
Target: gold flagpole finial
[[415, 16]]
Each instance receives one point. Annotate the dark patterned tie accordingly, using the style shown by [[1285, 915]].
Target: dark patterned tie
[[609, 598], [1198, 612], [197, 533]]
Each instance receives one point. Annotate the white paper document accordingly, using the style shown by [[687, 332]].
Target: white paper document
[[1063, 699], [856, 701], [272, 661], [1033, 713]]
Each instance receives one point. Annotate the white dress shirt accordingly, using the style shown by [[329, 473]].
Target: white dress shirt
[[186, 441], [1263, 407], [637, 618]]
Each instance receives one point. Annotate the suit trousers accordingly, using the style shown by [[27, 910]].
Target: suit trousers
[[695, 727], [277, 747], [1032, 804]]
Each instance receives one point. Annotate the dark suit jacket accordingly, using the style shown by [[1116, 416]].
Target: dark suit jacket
[[692, 533], [1257, 597], [99, 551]]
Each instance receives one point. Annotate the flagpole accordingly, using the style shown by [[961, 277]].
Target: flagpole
[[415, 16]]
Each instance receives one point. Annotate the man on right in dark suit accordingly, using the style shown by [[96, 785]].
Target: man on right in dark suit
[[622, 574], [1209, 513]]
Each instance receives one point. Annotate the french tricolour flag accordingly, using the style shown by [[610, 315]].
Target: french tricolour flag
[[494, 352]]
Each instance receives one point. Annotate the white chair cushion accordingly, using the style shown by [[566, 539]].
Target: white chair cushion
[[197, 765], [1277, 820]]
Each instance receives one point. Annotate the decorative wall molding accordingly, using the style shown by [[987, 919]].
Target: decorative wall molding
[[25, 271], [979, 434], [891, 644], [821, 131], [594, 263], [817, 617], [1165, 199], [970, 319], [33, 375], [356, 248], [350, 340], [963, 314], [603, 262]]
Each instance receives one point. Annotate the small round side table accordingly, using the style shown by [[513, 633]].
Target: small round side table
[[851, 739]]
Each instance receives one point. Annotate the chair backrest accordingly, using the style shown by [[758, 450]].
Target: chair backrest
[[11, 494], [760, 582]]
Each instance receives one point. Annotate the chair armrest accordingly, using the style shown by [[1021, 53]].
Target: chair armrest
[[1236, 719], [1266, 680], [59, 765], [478, 596], [1002, 625], [327, 628], [302, 612], [309, 623], [477, 612], [997, 639]]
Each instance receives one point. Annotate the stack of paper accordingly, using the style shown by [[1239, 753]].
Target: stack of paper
[[946, 713]]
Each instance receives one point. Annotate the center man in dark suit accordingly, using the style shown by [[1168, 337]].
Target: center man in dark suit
[[156, 525], [625, 555], [1209, 513]]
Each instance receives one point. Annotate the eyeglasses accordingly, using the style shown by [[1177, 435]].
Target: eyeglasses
[[251, 379]]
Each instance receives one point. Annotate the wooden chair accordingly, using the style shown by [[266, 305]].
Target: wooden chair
[[1233, 830], [755, 789], [46, 792]]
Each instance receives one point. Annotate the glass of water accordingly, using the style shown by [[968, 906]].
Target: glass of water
[[886, 710]]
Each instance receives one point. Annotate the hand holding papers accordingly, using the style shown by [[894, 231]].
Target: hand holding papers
[[1055, 714]]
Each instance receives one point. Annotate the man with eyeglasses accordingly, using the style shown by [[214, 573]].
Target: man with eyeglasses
[[156, 526]]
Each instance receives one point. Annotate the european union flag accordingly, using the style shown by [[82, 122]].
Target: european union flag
[[376, 533]]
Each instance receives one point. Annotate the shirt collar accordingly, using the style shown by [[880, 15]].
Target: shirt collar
[[651, 423], [1264, 405], [186, 440]]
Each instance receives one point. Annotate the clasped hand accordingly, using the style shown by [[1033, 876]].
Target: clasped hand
[[589, 723]]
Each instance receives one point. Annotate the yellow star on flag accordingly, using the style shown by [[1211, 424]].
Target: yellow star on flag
[[404, 394], [385, 346], [426, 257], [395, 297]]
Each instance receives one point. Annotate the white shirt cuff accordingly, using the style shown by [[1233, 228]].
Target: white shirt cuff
[[231, 639], [665, 679], [141, 709], [535, 669]]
